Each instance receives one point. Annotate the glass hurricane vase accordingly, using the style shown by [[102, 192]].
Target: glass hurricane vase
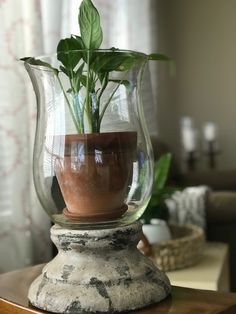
[[93, 164]]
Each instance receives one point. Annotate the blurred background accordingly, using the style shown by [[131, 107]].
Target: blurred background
[[200, 37]]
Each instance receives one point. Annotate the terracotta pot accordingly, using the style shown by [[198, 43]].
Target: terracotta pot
[[94, 173]]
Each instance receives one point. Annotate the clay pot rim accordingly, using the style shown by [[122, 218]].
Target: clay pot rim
[[89, 136], [107, 142]]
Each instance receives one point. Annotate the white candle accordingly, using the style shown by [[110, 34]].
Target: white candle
[[188, 134], [189, 139], [210, 131]]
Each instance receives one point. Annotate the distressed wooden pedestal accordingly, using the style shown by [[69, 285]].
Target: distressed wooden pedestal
[[98, 271]]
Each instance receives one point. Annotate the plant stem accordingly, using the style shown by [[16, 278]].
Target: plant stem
[[104, 85], [78, 111], [78, 128], [87, 93], [107, 103]]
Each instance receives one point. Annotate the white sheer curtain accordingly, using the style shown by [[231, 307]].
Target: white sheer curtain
[[31, 28], [28, 28]]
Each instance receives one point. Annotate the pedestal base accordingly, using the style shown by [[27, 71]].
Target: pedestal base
[[98, 271]]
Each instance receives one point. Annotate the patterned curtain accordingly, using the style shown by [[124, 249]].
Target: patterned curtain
[[28, 28]]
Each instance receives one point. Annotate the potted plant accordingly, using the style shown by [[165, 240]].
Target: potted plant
[[155, 227], [92, 144], [93, 162]]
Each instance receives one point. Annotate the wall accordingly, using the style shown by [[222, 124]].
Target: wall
[[200, 35]]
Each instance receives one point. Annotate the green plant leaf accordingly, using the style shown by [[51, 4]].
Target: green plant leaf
[[78, 78], [127, 64], [83, 80], [156, 207], [90, 28], [126, 83], [130, 59], [103, 76], [104, 62], [158, 56], [79, 41], [67, 52], [159, 211], [37, 62], [161, 171], [113, 61], [65, 71]]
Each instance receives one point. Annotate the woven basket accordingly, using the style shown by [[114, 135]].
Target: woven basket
[[185, 248]]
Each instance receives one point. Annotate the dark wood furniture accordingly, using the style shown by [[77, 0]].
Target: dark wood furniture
[[14, 287]]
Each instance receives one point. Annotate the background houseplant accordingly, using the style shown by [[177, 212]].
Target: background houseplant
[[156, 214], [156, 207]]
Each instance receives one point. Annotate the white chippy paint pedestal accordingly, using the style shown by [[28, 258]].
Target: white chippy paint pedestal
[[98, 271]]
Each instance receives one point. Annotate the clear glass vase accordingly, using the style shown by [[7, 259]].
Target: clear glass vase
[[93, 163]]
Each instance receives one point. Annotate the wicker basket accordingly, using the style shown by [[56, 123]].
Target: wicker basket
[[183, 250]]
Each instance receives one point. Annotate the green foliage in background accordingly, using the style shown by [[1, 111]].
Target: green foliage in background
[[157, 207]]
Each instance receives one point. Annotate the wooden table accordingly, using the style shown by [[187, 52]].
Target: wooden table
[[14, 287]]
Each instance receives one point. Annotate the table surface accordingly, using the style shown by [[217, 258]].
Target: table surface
[[14, 287], [210, 273]]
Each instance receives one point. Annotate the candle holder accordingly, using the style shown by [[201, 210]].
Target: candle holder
[[210, 132], [211, 151], [93, 170], [191, 160], [189, 142]]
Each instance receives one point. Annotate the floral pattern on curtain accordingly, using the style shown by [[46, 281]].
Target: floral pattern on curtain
[[24, 227]]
